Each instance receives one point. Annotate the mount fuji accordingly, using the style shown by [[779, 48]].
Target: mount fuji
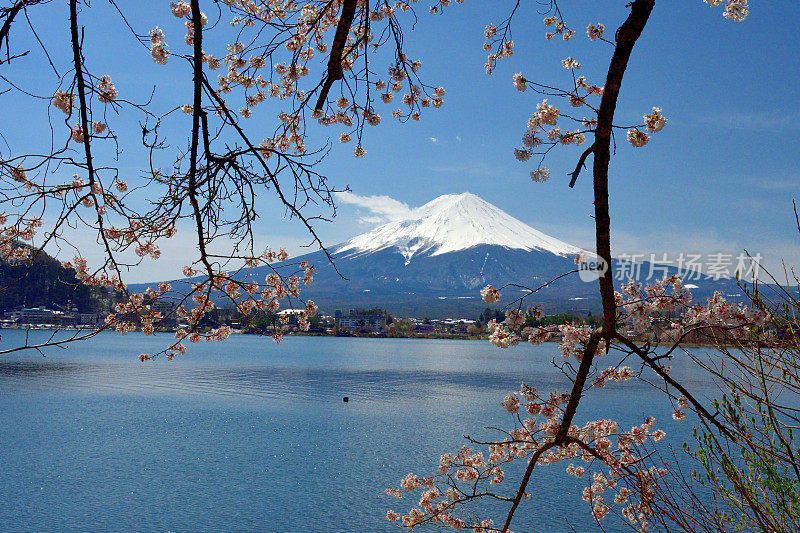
[[452, 223], [434, 262]]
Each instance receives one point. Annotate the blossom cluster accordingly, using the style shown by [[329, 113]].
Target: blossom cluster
[[64, 101], [642, 308], [736, 10], [506, 334], [158, 48], [98, 278], [107, 92], [542, 128], [653, 122], [136, 308], [637, 305], [543, 132], [595, 31], [670, 301], [556, 26], [14, 231]]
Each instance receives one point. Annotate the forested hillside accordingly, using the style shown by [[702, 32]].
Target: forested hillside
[[45, 283]]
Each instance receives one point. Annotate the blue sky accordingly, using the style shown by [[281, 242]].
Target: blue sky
[[719, 178]]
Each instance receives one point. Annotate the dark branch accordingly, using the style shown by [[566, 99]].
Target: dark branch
[[627, 36], [581, 164], [337, 50]]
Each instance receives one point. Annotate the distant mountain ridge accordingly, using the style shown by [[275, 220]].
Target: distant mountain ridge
[[435, 261]]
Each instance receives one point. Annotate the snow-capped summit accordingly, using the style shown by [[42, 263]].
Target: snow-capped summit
[[450, 223]]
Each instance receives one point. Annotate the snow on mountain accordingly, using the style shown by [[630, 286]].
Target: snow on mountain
[[450, 223]]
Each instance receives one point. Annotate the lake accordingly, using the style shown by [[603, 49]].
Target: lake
[[247, 435]]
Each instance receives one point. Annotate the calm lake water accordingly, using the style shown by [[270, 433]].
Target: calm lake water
[[246, 435]]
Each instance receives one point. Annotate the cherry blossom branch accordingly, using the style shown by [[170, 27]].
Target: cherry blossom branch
[[580, 165], [627, 36], [334, 72], [197, 91], [566, 421]]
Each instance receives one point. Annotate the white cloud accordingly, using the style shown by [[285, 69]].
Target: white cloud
[[372, 220], [433, 140], [458, 138], [382, 208]]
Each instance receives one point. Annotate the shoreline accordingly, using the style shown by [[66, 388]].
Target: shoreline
[[50, 328]]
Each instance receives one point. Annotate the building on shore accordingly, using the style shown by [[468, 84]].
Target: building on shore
[[38, 316], [359, 321]]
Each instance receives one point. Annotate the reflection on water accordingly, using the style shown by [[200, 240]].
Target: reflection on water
[[244, 435], [306, 369], [255, 382]]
